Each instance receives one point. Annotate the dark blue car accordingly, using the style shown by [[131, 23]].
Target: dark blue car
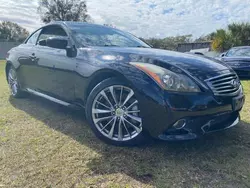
[[128, 90], [239, 59]]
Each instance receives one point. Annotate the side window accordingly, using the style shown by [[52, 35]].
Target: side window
[[48, 32], [33, 37], [230, 53]]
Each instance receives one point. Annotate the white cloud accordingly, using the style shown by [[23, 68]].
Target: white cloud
[[145, 18], [22, 12]]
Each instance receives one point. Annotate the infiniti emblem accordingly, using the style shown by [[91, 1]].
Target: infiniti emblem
[[235, 83]]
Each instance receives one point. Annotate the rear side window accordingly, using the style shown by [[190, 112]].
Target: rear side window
[[33, 38], [51, 31]]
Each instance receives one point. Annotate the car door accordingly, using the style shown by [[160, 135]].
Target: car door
[[24, 55], [56, 71]]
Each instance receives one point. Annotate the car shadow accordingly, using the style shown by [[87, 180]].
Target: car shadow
[[149, 163]]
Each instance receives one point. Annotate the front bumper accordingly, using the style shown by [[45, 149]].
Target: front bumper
[[203, 113], [202, 125]]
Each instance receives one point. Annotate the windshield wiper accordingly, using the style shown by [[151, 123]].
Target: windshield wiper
[[110, 45], [142, 47]]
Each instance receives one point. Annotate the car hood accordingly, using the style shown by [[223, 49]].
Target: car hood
[[243, 58], [196, 65], [241, 62]]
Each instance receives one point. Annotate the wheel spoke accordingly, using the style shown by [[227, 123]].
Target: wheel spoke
[[130, 106], [111, 89], [131, 93], [124, 124], [11, 79], [120, 136], [111, 133], [12, 86], [135, 127], [138, 119], [120, 101], [12, 75], [100, 111], [107, 124], [107, 99], [103, 105], [102, 119], [11, 83], [134, 111]]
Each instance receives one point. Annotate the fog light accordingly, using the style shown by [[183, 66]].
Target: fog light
[[180, 124]]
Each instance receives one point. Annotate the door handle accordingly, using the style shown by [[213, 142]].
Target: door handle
[[32, 57]]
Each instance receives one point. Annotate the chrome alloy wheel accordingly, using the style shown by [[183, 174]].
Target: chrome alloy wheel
[[115, 113], [12, 80]]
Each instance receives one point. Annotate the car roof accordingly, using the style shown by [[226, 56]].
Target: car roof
[[241, 47]]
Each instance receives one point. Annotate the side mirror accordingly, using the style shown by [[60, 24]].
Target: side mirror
[[57, 42], [71, 51], [223, 55], [42, 42]]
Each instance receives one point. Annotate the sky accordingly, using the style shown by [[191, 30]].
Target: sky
[[144, 18]]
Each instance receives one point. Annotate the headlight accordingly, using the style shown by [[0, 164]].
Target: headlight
[[168, 80]]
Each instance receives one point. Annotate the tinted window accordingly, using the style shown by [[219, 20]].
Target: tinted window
[[92, 35], [51, 31], [33, 38], [238, 52]]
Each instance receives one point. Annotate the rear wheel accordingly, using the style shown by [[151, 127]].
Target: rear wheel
[[113, 111], [14, 83]]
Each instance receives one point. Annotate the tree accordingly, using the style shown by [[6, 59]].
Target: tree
[[236, 34], [205, 38], [168, 43], [240, 33], [222, 41], [63, 10], [10, 31]]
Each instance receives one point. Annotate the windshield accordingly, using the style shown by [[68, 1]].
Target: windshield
[[104, 36], [238, 52]]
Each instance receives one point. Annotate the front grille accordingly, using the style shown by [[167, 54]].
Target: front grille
[[225, 84]]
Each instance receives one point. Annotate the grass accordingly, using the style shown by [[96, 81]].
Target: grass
[[43, 144]]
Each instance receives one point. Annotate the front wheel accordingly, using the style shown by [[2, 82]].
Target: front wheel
[[113, 112], [14, 83]]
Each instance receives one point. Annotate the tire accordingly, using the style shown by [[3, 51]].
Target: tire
[[14, 85], [115, 119]]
